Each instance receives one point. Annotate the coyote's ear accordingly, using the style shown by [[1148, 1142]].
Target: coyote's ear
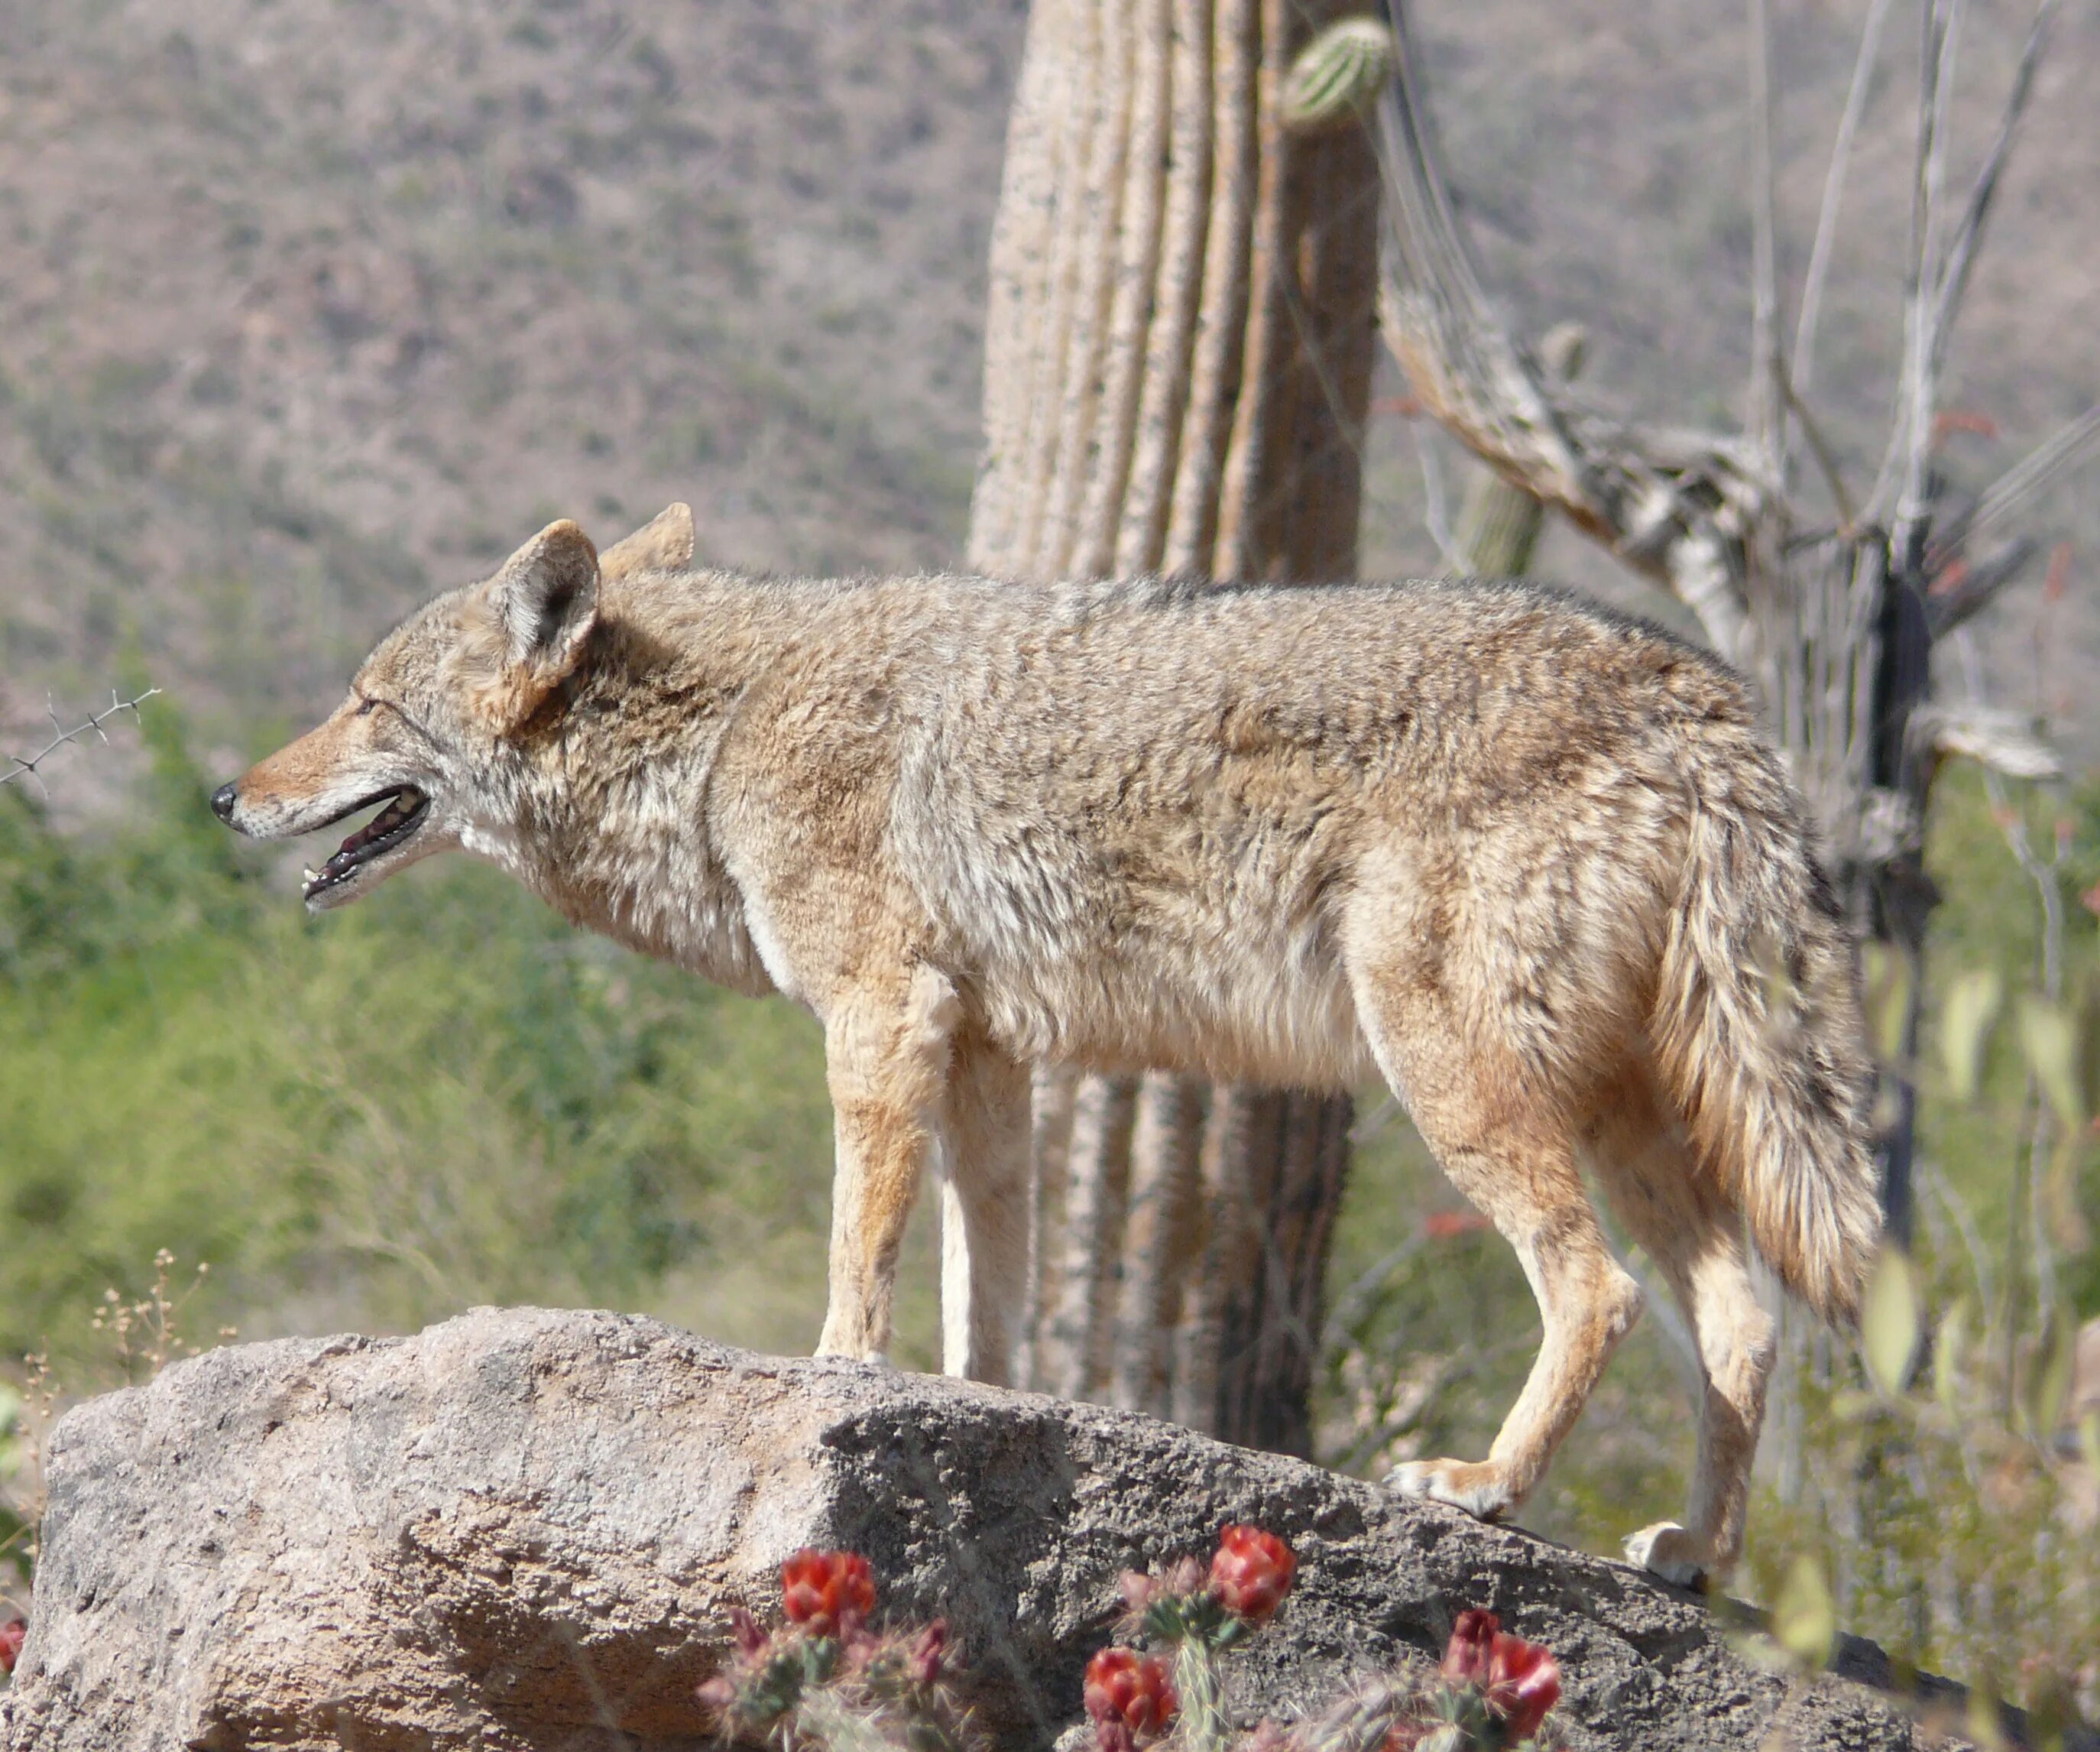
[[546, 598], [663, 544]]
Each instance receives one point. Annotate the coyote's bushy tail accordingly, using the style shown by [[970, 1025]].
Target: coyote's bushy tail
[[1757, 1030]]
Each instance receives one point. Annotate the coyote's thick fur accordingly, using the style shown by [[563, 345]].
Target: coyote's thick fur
[[1532, 863]]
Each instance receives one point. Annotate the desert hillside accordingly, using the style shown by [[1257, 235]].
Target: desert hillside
[[309, 308]]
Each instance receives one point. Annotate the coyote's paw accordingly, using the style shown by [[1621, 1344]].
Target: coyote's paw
[[1668, 1551], [869, 1359], [1478, 1487]]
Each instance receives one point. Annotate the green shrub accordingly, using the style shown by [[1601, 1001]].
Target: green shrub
[[439, 1096]]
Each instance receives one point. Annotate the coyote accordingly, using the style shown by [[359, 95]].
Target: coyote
[[1532, 862]]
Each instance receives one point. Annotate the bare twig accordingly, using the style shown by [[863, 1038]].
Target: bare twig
[[1977, 585], [1819, 447], [1436, 504], [1968, 235], [1834, 189], [28, 763], [1768, 399], [2040, 469], [1904, 469]]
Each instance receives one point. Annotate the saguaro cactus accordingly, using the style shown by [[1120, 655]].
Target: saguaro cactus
[[1177, 369]]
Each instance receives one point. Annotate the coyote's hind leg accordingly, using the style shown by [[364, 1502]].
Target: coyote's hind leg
[[1694, 1236], [1511, 1153]]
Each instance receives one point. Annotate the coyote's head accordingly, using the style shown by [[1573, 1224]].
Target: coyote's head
[[431, 730]]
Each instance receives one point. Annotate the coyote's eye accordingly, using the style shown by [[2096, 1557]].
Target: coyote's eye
[[366, 708]]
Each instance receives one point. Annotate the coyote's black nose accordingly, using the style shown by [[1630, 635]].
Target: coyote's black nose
[[223, 800]]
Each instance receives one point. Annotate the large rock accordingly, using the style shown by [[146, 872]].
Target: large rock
[[520, 1530]]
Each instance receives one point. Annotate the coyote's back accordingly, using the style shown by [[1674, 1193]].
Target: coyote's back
[[1199, 826]]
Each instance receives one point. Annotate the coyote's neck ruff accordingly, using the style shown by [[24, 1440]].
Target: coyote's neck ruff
[[1532, 863]]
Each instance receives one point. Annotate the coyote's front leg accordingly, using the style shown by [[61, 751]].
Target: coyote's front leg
[[887, 1046], [984, 1210]]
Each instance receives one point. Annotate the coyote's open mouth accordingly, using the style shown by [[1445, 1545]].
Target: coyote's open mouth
[[402, 815]]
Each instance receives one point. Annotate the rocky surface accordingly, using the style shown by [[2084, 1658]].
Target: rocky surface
[[520, 1530]]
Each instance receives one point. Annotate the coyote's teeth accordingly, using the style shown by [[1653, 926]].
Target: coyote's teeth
[[311, 874]]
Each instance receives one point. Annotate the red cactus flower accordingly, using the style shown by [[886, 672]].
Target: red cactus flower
[[1252, 1571], [1526, 1685], [1520, 1680], [1130, 1697], [826, 1592], [12, 1635]]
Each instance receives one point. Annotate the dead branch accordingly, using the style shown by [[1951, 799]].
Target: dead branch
[[1975, 586], [1826, 458], [1768, 397], [1998, 740], [1905, 468], [1678, 508], [1836, 627]]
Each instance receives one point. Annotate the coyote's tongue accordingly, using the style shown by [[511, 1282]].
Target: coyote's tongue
[[391, 825], [398, 812]]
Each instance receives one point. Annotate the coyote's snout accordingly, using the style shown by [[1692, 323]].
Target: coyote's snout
[[1532, 862]]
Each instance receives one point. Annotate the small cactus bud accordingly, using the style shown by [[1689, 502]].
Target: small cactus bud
[[1172, 1588], [1472, 1639], [1138, 1589], [13, 1634], [1338, 74], [928, 1653], [1184, 1576], [752, 1638]]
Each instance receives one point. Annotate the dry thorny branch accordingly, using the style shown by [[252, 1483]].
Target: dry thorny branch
[[28, 764]]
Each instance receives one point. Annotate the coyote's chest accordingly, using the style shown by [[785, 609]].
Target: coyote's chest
[[652, 881]]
